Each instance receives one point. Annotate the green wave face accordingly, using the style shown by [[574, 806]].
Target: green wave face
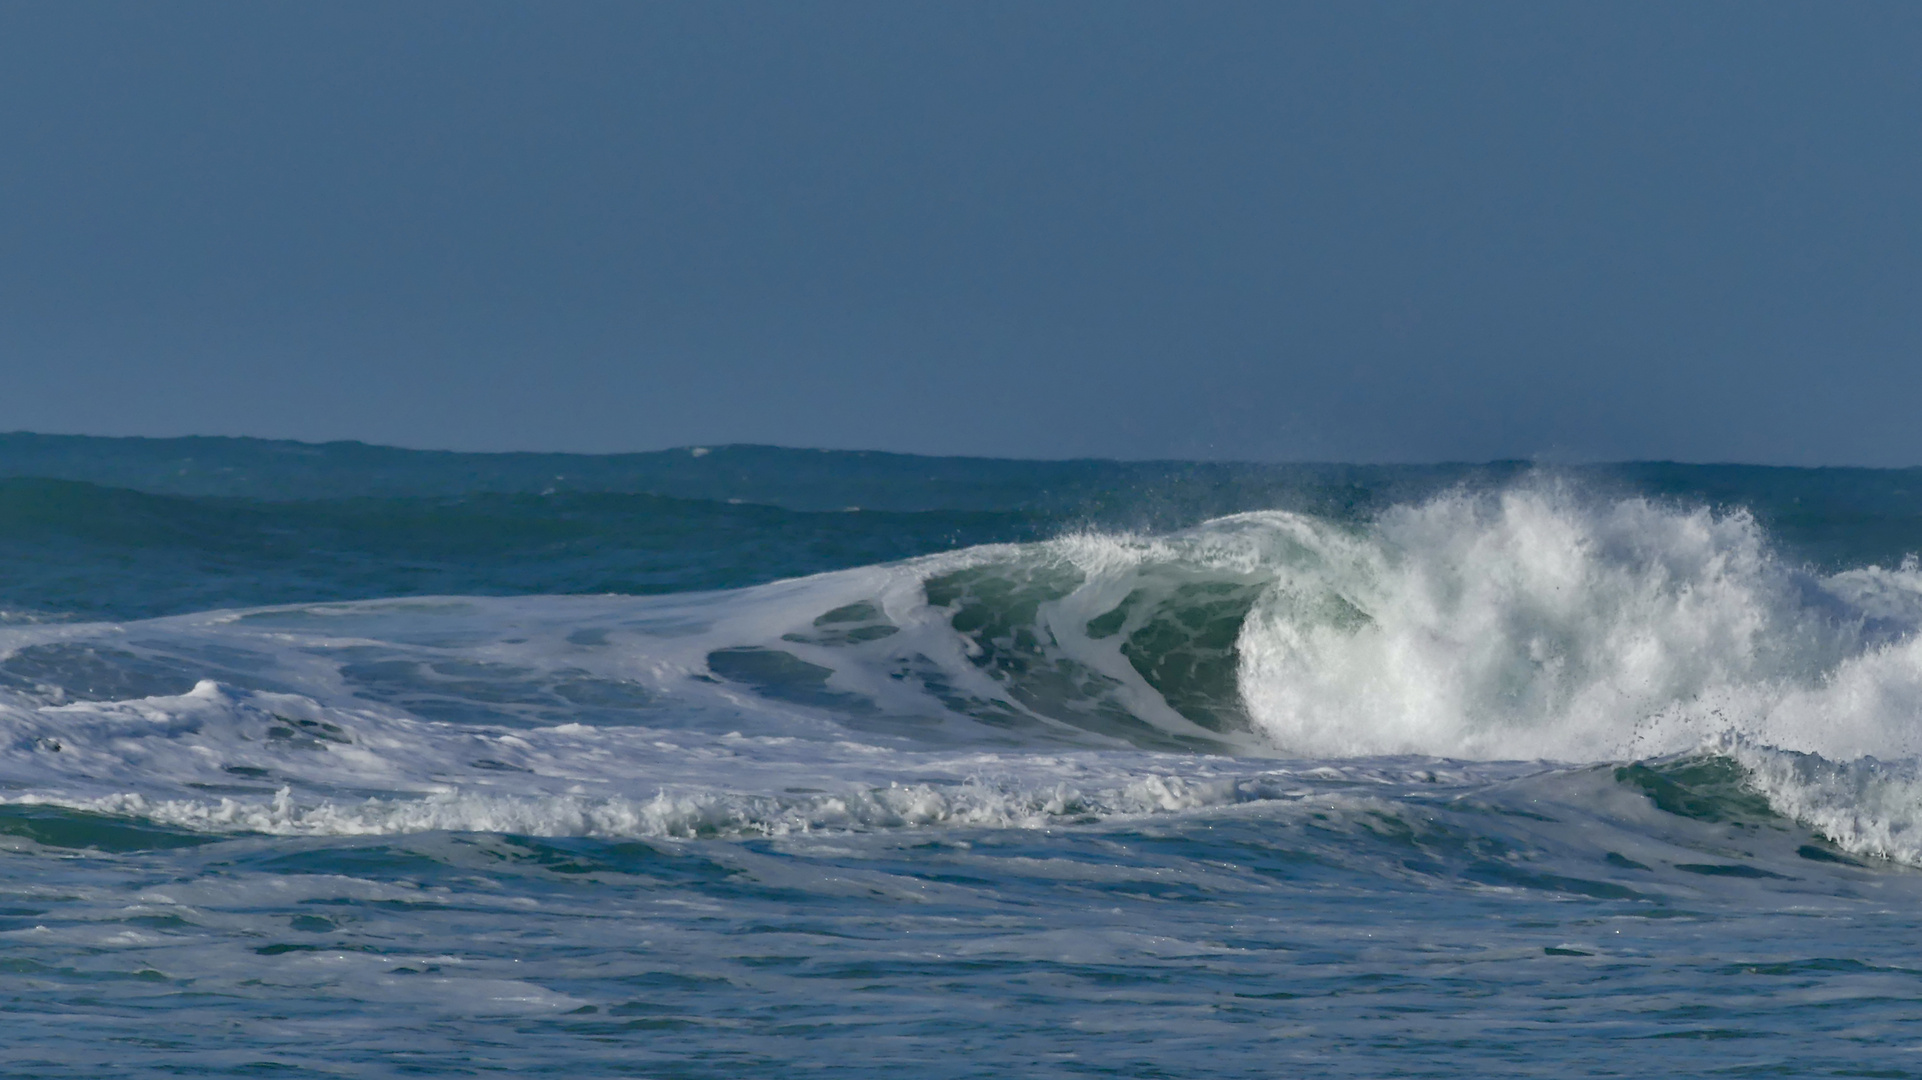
[[1702, 787]]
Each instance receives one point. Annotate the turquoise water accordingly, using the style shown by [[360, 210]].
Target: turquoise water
[[347, 760]]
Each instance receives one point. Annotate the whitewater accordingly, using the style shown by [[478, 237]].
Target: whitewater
[[1511, 771]]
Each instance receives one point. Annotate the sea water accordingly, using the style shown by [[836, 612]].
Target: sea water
[[739, 762]]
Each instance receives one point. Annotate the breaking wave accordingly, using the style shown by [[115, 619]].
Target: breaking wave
[[1530, 623], [1087, 677]]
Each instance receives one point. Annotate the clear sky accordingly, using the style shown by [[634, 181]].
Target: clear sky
[[1335, 231]]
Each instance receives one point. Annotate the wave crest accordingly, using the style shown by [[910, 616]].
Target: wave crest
[[1527, 623]]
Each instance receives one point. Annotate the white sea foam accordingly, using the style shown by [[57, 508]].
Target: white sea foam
[[1537, 624], [1867, 806], [375, 772], [678, 814]]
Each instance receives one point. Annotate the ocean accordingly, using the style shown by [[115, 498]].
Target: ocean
[[324, 760]]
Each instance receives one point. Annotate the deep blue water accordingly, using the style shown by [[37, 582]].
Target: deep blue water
[[739, 761]]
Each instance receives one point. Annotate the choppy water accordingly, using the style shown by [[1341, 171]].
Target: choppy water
[[338, 760]]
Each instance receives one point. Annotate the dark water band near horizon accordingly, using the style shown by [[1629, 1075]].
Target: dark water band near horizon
[[716, 762]]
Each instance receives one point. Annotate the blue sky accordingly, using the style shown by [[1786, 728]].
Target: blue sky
[[1341, 231]]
